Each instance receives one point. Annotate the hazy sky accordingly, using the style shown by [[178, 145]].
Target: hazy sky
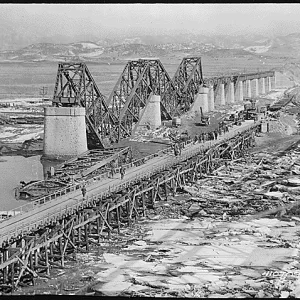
[[74, 19]]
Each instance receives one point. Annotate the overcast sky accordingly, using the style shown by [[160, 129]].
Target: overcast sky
[[74, 19]]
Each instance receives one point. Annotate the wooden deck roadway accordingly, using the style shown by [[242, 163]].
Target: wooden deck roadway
[[41, 234]]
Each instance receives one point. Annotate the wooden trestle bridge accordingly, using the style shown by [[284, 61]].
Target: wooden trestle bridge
[[44, 233]]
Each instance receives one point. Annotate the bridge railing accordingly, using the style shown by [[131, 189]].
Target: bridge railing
[[55, 196], [25, 227]]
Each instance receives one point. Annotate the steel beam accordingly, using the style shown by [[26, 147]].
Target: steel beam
[[138, 81], [188, 79], [75, 86]]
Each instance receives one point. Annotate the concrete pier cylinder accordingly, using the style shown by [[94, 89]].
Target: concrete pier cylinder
[[248, 83], [273, 82], [269, 84], [152, 113], [211, 98], [262, 86], [222, 94], [256, 91], [231, 93], [245, 88], [201, 100], [239, 96], [64, 132]]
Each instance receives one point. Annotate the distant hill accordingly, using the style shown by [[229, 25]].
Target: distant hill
[[53, 52], [114, 50], [229, 53]]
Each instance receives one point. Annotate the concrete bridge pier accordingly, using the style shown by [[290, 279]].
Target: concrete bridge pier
[[211, 98], [256, 90], [203, 96], [262, 89], [269, 84], [248, 84], [239, 95], [201, 100], [64, 132], [273, 82], [244, 88], [222, 94], [231, 92], [151, 115]]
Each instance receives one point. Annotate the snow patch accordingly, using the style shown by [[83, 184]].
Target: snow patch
[[88, 45], [257, 49], [92, 54]]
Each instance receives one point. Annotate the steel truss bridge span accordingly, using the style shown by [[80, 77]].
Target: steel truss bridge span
[[139, 80], [75, 86], [238, 77], [110, 120]]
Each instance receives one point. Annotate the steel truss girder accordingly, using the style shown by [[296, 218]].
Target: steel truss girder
[[188, 79], [235, 78], [139, 80], [75, 86]]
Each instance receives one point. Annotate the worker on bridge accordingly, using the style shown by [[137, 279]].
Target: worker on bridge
[[216, 134], [195, 139], [83, 190], [180, 147], [122, 172], [176, 149], [113, 168]]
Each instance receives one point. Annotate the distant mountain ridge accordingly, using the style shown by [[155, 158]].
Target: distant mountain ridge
[[157, 46]]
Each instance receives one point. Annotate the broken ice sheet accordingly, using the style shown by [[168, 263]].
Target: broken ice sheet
[[105, 275], [274, 195], [114, 259], [114, 287], [267, 257], [250, 273]]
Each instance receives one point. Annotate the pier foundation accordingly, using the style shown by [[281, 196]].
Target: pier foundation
[[211, 100], [256, 91], [248, 83], [262, 86], [152, 114], [201, 100], [222, 94], [240, 92], [64, 132], [231, 93]]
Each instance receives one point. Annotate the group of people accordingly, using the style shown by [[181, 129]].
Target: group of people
[[112, 173], [113, 170], [201, 138]]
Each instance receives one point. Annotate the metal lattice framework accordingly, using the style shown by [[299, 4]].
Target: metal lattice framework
[[112, 120], [188, 79], [216, 81], [138, 81], [75, 86]]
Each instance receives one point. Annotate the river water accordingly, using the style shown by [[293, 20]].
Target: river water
[[14, 169]]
